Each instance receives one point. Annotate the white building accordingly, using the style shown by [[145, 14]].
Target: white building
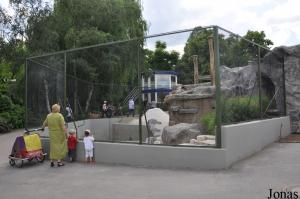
[[158, 85]]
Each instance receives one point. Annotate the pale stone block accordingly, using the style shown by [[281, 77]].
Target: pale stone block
[[210, 137], [157, 142], [201, 138], [193, 141]]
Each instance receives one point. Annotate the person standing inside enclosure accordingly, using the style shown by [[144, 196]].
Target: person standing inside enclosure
[[131, 107], [69, 113], [104, 109], [58, 135], [109, 111]]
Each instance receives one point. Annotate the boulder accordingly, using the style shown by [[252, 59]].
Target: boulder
[[180, 133], [154, 128], [289, 57], [188, 103], [157, 119], [238, 81]]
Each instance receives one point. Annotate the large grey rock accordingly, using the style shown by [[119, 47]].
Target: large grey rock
[[180, 133], [153, 127], [157, 119], [289, 57], [238, 81], [188, 103]]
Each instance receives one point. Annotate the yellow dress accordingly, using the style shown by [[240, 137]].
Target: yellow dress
[[58, 142]]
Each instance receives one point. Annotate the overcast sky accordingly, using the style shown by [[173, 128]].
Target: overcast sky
[[280, 19]]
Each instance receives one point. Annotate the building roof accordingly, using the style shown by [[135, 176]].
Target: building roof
[[165, 72], [154, 90]]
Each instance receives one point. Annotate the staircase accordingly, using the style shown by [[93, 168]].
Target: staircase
[[134, 94]]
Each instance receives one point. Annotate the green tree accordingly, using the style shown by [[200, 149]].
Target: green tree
[[197, 44], [87, 23], [234, 51], [160, 58], [259, 38], [37, 28]]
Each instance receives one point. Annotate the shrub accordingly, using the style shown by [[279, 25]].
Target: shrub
[[17, 115], [238, 109], [209, 122], [11, 115], [3, 126], [5, 103], [235, 109]]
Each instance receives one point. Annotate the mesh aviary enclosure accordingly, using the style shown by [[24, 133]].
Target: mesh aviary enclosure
[[200, 79]]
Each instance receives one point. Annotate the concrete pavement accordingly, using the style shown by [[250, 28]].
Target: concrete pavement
[[276, 167]]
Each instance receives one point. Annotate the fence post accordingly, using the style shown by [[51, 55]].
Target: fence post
[[26, 91], [218, 87], [65, 79], [284, 91], [259, 86], [140, 97]]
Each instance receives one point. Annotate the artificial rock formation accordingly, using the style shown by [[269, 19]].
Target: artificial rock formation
[[289, 57], [198, 99], [180, 133], [188, 103]]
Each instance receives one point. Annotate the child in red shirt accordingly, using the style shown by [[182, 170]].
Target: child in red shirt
[[72, 142]]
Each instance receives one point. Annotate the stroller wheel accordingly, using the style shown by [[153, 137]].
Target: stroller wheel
[[12, 162], [19, 163], [40, 158]]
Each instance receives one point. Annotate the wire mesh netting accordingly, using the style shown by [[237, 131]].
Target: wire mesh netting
[[248, 90], [44, 87], [161, 89]]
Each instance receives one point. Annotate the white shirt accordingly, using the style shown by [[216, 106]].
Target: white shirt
[[131, 104], [88, 142], [69, 111], [104, 107]]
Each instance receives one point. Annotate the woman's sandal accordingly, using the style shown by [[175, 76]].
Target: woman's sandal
[[60, 164]]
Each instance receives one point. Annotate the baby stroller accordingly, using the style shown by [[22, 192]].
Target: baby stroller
[[27, 147]]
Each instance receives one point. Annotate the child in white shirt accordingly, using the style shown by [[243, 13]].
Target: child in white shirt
[[88, 141]]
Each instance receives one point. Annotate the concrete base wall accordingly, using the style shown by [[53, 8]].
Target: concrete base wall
[[238, 141], [127, 132], [153, 156], [244, 139]]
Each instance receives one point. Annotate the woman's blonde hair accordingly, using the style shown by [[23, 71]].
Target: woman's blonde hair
[[55, 108]]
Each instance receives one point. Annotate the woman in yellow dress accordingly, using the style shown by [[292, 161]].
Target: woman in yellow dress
[[58, 134]]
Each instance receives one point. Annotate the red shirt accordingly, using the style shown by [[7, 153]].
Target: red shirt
[[72, 141]]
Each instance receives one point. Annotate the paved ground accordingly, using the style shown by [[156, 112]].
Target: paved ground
[[277, 167]]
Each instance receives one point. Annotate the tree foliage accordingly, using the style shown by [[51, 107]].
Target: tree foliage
[[37, 27], [259, 38], [234, 51], [161, 58]]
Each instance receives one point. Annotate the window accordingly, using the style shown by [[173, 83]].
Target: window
[[163, 81]]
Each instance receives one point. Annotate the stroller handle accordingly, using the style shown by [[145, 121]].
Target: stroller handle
[[32, 130]]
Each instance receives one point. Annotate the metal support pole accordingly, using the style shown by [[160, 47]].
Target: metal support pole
[[65, 79], [26, 100], [140, 97], [259, 86], [218, 88], [283, 86]]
